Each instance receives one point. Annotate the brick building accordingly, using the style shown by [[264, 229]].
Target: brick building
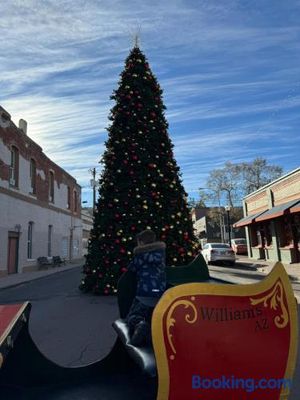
[[39, 203], [272, 220]]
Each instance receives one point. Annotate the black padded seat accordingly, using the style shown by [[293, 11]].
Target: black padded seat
[[143, 356]]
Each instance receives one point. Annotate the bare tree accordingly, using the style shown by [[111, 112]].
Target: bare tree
[[257, 174], [225, 180], [238, 180]]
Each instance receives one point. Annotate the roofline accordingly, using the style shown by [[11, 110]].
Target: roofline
[[14, 126], [272, 183]]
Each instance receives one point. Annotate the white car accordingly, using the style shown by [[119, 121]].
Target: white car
[[214, 252]]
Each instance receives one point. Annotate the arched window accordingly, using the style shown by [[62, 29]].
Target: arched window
[[51, 186], [50, 240], [69, 198], [33, 175], [29, 240], [75, 201], [14, 167]]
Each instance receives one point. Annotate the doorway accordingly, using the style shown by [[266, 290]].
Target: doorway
[[296, 236], [13, 253]]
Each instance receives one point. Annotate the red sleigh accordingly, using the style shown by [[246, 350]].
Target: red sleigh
[[226, 341], [211, 341]]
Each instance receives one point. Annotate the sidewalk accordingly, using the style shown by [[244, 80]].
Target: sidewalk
[[247, 271], [25, 277], [265, 267]]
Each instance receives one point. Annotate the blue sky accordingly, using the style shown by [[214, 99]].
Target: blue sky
[[230, 71]]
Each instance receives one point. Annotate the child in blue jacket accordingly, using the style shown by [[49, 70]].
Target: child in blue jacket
[[149, 265]]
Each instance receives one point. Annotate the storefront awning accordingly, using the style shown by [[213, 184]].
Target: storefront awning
[[295, 208], [277, 211], [249, 219]]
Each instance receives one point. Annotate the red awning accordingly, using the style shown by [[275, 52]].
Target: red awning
[[278, 211], [249, 219], [295, 208]]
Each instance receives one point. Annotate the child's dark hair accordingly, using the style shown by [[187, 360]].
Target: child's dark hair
[[146, 236]]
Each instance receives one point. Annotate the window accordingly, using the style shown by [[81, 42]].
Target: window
[[267, 237], [29, 240], [51, 186], [285, 231], [255, 235], [49, 240], [75, 201], [69, 198], [14, 167], [33, 175]]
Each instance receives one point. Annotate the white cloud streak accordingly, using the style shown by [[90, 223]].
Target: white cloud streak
[[230, 74]]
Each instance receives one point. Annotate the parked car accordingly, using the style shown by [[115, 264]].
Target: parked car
[[239, 246], [214, 252]]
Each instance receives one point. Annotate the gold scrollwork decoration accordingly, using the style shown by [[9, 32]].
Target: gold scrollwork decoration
[[170, 322], [276, 298]]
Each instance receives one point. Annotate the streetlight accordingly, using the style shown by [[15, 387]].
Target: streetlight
[[228, 208]]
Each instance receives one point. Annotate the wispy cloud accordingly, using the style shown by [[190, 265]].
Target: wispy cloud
[[230, 74]]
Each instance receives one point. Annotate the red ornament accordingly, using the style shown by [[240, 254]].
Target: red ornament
[[105, 291], [123, 269], [125, 162], [122, 250], [133, 228], [117, 241]]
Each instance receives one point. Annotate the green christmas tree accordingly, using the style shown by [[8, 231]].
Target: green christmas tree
[[140, 186]]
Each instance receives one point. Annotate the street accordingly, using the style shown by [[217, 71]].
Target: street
[[69, 327]]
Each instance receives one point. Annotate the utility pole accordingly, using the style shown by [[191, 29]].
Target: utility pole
[[227, 208]]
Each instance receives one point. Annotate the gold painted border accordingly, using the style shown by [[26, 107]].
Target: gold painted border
[[13, 321], [252, 289]]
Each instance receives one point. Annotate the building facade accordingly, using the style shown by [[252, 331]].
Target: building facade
[[87, 225], [272, 220], [211, 224], [40, 209]]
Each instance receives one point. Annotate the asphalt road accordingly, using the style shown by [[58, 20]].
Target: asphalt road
[[69, 327]]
